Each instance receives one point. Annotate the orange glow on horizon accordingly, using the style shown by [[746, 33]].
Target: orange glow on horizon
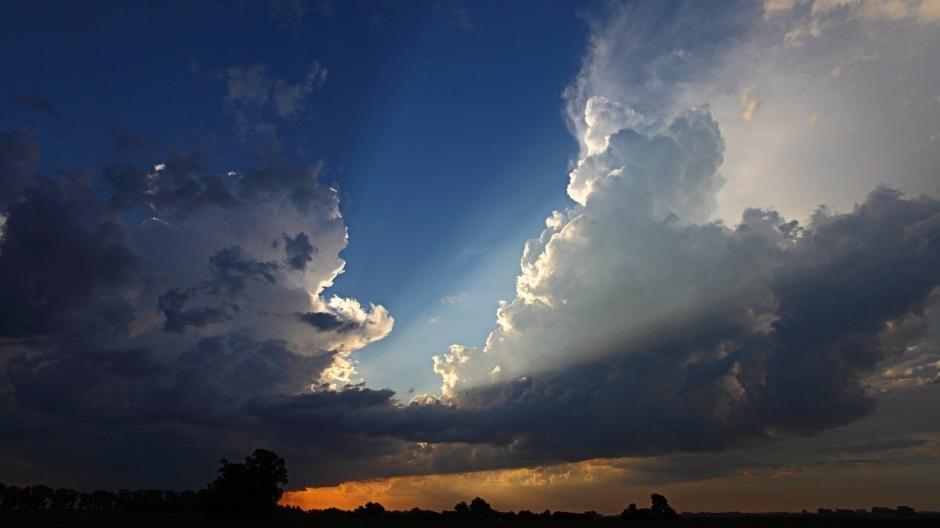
[[609, 485]]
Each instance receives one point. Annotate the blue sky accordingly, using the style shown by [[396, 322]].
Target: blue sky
[[414, 122]]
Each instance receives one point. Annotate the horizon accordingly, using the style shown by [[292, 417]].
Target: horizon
[[552, 254]]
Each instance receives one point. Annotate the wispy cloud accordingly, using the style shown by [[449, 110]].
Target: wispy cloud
[[454, 298]]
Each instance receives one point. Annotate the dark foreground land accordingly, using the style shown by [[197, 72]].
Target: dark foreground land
[[49, 519], [246, 494]]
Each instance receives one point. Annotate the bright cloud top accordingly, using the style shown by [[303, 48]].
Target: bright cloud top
[[769, 326]]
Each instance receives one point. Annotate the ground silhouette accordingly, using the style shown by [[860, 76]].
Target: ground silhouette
[[250, 491]]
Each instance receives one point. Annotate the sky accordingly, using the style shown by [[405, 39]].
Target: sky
[[557, 254]]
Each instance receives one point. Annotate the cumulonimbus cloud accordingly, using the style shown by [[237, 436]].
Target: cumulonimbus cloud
[[182, 303], [655, 328]]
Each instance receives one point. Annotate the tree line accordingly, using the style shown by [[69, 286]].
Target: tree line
[[480, 510], [250, 488], [253, 487]]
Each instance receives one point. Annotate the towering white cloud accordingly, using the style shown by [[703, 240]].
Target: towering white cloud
[[637, 259], [617, 267]]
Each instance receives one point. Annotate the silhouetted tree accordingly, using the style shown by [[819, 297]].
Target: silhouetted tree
[[39, 497], [370, 509], [660, 507], [247, 489], [526, 515], [418, 513], [480, 509], [64, 499], [461, 511]]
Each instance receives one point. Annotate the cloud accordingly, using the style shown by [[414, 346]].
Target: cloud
[[19, 155], [649, 56], [646, 328], [765, 337], [62, 250], [750, 106], [177, 317], [928, 11], [454, 298], [161, 301], [256, 101], [326, 321], [173, 189], [822, 14], [298, 250], [633, 194], [660, 59]]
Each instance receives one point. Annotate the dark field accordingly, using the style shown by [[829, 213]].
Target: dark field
[[44, 519]]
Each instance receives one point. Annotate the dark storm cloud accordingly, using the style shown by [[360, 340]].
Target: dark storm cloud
[[208, 383], [878, 446], [178, 317], [117, 313], [223, 373], [850, 275], [167, 419], [19, 155], [326, 322], [183, 184], [229, 271], [123, 326], [62, 248], [102, 386], [176, 188], [299, 251]]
